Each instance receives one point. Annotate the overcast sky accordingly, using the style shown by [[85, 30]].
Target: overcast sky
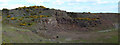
[[68, 5]]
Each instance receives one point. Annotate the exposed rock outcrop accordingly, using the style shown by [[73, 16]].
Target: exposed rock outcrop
[[38, 18]]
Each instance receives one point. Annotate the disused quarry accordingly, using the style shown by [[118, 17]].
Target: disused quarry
[[51, 23]]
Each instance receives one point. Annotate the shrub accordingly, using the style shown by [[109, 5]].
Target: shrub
[[40, 11], [21, 19], [46, 9], [86, 18], [27, 10], [89, 19], [35, 16], [32, 6], [31, 16], [84, 12], [13, 18], [95, 19], [24, 14], [8, 16], [29, 24], [42, 7], [47, 16], [20, 8], [26, 17], [89, 12], [52, 8], [41, 16], [22, 24], [11, 13], [94, 14], [36, 7], [24, 7], [34, 13], [33, 19]]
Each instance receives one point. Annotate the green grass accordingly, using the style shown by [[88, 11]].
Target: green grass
[[113, 39], [11, 35], [18, 35], [102, 37], [0, 31]]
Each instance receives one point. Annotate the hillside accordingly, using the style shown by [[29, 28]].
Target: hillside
[[58, 25]]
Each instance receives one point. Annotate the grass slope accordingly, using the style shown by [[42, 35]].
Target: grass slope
[[16, 35]]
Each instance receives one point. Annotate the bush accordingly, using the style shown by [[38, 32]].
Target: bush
[[20, 8], [27, 10], [24, 7], [29, 24], [8, 16], [35, 16], [11, 13], [22, 24], [34, 13], [21, 19], [42, 7], [26, 17], [33, 19], [13, 18], [36, 7], [40, 11], [94, 14], [24, 14], [89, 12], [47, 16], [31, 16], [41, 16]]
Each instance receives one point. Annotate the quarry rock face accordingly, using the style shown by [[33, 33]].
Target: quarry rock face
[[38, 18]]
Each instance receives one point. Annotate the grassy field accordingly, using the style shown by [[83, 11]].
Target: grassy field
[[16, 35], [0, 30], [12, 34], [97, 37]]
